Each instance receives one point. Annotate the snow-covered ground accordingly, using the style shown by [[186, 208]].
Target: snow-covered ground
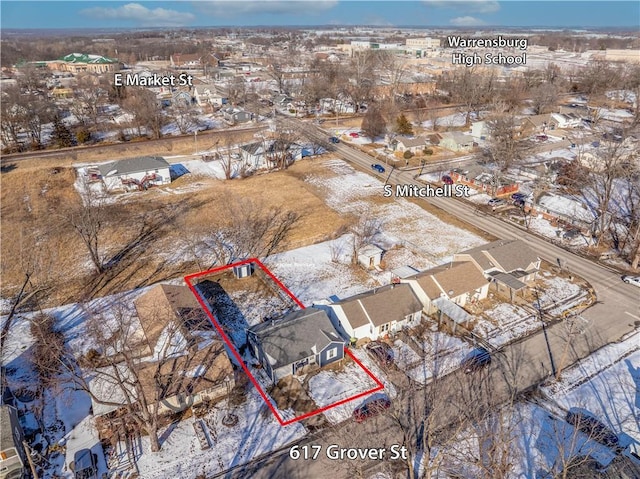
[[506, 323], [607, 384], [311, 274], [328, 387], [256, 433], [402, 222], [443, 354]]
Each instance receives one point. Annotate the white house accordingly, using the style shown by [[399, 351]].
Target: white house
[[135, 173], [208, 95], [376, 313], [414, 145], [566, 120], [456, 141]]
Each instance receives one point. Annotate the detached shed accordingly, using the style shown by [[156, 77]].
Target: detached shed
[[243, 270], [370, 256]]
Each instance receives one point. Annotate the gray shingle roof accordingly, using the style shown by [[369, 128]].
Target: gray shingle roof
[[383, 305], [129, 166], [510, 255], [296, 336]]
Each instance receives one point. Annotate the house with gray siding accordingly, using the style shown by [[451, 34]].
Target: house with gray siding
[[299, 341]]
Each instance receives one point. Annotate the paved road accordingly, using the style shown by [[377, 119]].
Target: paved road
[[523, 364]]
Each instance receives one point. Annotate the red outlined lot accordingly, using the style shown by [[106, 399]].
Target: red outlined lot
[[232, 348]]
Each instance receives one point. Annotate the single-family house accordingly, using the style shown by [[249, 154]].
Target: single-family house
[[456, 141], [377, 313], [414, 145], [531, 125], [208, 95], [234, 115], [299, 341], [182, 361], [135, 173], [566, 120], [459, 283], [509, 264], [261, 154], [185, 61]]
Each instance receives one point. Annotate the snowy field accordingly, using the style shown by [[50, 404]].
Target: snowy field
[[402, 222]]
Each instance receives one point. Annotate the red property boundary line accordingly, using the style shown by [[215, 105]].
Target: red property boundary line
[[265, 397]]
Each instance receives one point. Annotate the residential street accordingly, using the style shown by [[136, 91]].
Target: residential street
[[524, 363]]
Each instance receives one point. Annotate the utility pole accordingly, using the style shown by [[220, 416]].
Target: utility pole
[[32, 466], [195, 141], [544, 330]]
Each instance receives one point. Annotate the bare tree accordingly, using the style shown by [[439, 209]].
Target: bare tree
[[13, 116], [505, 147], [146, 110], [471, 88], [361, 73], [607, 166], [250, 230], [88, 218], [184, 116], [363, 231], [88, 98], [373, 123], [544, 98]]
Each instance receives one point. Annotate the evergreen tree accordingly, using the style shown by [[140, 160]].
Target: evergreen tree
[[403, 126], [61, 136]]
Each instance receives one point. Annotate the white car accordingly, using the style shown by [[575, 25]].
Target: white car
[[634, 280]]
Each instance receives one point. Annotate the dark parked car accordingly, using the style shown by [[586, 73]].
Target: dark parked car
[[370, 409], [85, 464], [476, 360], [379, 168], [381, 352], [334, 139], [571, 233], [519, 196], [592, 427], [447, 180]]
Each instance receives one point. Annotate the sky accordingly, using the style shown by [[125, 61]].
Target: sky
[[428, 13]]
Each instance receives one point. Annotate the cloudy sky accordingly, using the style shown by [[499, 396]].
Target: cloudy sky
[[465, 13]]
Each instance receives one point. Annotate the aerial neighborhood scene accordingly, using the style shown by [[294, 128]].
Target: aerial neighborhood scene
[[304, 239]]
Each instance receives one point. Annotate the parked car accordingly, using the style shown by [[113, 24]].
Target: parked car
[[447, 180], [353, 134], [634, 280], [519, 196], [334, 139], [592, 427], [571, 233], [370, 409], [496, 202], [381, 352], [542, 137], [378, 167], [476, 360], [85, 464]]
